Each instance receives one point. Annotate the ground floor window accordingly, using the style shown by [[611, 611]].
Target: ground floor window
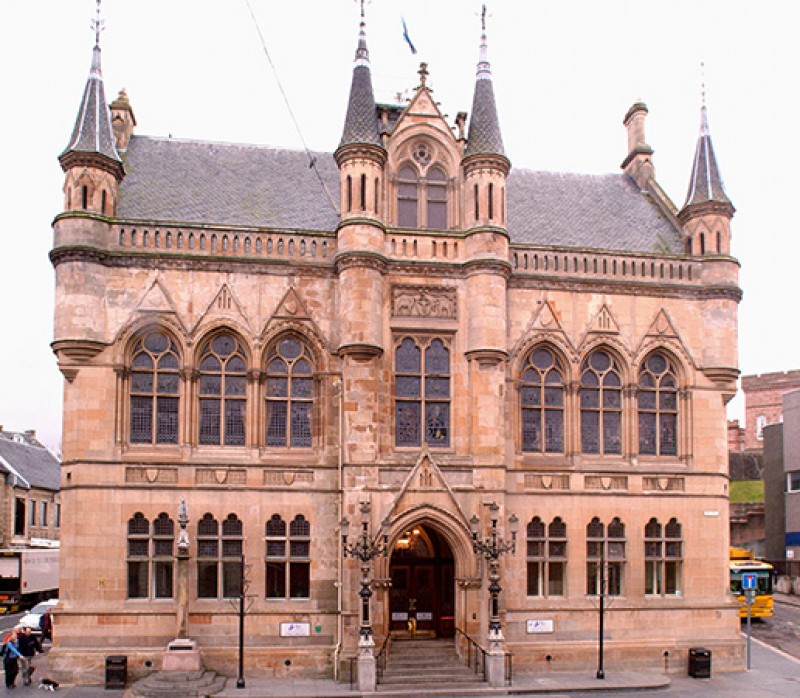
[[605, 557], [546, 557], [663, 551], [151, 566], [288, 558], [219, 557]]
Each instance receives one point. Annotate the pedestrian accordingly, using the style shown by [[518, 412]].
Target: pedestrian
[[46, 625], [28, 645], [11, 657]]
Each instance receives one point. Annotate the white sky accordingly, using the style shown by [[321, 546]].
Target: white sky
[[565, 73]]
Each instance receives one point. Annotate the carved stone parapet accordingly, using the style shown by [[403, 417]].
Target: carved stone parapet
[[487, 358], [361, 351], [360, 260]]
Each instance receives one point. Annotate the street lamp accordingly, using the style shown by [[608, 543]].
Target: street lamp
[[492, 547], [365, 548]]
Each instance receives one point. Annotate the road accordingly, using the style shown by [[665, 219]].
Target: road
[[782, 631]]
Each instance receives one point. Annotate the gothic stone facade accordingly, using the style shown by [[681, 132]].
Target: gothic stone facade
[[451, 335]]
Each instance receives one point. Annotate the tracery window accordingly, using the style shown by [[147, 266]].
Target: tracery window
[[289, 394], [658, 407], [663, 552], [219, 557], [436, 194], [547, 557], [542, 400], [154, 390], [422, 393], [151, 562], [601, 404], [223, 392], [288, 558], [605, 557], [407, 197]]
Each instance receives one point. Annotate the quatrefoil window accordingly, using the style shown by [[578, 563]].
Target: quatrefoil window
[[421, 154]]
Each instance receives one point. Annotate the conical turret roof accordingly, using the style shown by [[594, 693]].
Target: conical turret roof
[[361, 122], [92, 133], [483, 137], [705, 184]]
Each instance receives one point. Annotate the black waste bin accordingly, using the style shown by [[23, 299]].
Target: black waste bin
[[116, 671], [699, 663]]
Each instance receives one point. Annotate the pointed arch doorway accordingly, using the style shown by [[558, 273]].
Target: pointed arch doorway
[[422, 593]]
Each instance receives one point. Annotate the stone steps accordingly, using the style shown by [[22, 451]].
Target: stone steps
[[428, 667]]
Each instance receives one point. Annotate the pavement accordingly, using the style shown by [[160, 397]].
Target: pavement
[[772, 673]]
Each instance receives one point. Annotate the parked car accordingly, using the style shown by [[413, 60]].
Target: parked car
[[33, 617]]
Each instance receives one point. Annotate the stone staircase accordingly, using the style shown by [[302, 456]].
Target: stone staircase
[[427, 667], [177, 684]]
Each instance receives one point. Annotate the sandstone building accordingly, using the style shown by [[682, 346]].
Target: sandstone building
[[431, 333]]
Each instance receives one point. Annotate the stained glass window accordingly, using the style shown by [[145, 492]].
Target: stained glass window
[[601, 404], [663, 553], [605, 557], [658, 407], [288, 558], [154, 390], [223, 392], [542, 401], [151, 565], [289, 394], [547, 557], [422, 393]]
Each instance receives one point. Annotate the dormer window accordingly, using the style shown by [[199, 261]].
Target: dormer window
[[421, 199]]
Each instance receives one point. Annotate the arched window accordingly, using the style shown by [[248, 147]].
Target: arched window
[[658, 406], [605, 557], [436, 192], [154, 390], [422, 394], [663, 553], [547, 557], [601, 404], [223, 392], [288, 558], [289, 394], [219, 557], [542, 401], [407, 197], [150, 557]]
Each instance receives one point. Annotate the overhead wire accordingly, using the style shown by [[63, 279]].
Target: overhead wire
[[312, 160]]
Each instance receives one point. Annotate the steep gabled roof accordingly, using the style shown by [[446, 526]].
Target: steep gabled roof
[[176, 182]]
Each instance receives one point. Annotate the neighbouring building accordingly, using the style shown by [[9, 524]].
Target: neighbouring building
[[763, 396], [31, 503], [448, 339], [782, 484]]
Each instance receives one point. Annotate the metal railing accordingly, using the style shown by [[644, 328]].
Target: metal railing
[[380, 659], [475, 654]]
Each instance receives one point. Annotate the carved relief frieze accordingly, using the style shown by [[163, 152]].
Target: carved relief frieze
[[287, 478], [663, 484], [605, 482], [424, 301]]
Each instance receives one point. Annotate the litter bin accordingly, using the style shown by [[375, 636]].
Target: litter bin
[[116, 671], [699, 663]]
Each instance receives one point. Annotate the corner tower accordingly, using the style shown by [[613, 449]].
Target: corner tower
[[706, 215]]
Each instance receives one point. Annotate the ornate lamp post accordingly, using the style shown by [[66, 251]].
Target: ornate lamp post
[[365, 548], [492, 547]]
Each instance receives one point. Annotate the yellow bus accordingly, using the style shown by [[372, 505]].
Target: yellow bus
[[743, 562]]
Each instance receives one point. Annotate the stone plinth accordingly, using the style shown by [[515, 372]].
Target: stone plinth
[[182, 655]]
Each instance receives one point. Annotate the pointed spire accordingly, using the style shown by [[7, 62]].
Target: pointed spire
[[705, 184], [484, 136], [92, 133], [361, 121]]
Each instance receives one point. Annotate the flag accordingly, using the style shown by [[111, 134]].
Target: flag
[[406, 36]]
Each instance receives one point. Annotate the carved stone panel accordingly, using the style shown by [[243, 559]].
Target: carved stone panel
[[424, 302]]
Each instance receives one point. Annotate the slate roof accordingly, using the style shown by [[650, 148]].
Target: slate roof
[[173, 181], [92, 132], [29, 465], [361, 121], [484, 127], [706, 182]]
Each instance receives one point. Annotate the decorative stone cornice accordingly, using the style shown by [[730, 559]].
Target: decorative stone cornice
[[361, 351], [487, 228], [487, 358], [359, 219], [359, 259], [75, 158], [77, 351], [479, 161], [707, 208], [722, 376], [499, 267], [360, 151]]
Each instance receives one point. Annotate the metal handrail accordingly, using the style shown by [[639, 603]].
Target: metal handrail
[[476, 655], [381, 657]]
